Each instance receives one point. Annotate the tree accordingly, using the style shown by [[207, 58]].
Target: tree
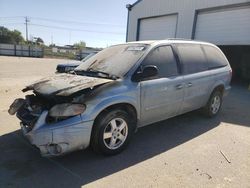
[[80, 45], [39, 41], [16, 36], [10, 37], [52, 45]]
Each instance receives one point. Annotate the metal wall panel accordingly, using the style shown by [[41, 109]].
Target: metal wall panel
[[7, 49], [157, 28], [224, 27], [21, 50], [186, 10]]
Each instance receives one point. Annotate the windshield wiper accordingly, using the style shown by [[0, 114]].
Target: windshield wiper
[[98, 73], [111, 76]]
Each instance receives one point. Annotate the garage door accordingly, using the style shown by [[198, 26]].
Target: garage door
[[224, 27], [157, 28]]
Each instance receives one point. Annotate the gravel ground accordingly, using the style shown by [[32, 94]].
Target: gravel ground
[[186, 151]]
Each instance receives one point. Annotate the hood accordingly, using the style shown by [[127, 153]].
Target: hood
[[71, 63], [65, 84]]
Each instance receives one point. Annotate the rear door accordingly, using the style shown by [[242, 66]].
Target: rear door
[[162, 96], [196, 76]]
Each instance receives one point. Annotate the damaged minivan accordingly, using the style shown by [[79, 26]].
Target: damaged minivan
[[104, 100]]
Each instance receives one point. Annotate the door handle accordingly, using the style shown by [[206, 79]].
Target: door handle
[[189, 84], [179, 86]]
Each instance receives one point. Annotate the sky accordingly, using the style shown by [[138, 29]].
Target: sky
[[99, 23]]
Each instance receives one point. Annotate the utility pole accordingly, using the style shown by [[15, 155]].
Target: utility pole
[[69, 37], [52, 39], [26, 23]]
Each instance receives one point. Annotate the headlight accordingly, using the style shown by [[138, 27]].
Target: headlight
[[66, 110]]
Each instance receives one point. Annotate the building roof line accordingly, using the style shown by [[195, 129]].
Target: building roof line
[[135, 3]]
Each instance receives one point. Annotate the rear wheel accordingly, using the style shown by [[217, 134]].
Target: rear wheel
[[112, 132], [214, 104]]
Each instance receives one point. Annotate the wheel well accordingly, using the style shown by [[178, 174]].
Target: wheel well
[[130, 109], [219, 88]]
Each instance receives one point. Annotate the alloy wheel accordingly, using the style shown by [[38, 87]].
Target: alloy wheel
[[215, 104], [115, 133]]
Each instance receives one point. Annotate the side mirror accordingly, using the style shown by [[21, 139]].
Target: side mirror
[[147, 72]]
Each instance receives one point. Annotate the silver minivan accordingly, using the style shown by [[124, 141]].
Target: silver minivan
[[104, 100]]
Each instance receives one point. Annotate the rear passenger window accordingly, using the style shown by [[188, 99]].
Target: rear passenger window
[[164, 59], [214, 57], [192, 58]]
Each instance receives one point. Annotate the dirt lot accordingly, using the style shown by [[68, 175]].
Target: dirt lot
[[186, 151]]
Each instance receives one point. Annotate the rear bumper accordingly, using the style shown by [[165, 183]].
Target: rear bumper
[[59, 138]]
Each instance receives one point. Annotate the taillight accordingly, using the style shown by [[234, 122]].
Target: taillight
[[231, 73]]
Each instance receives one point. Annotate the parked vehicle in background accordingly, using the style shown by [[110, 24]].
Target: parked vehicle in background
[[84, 53], [64, 68], [120, 89]]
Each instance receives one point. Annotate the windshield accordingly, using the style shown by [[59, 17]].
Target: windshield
[[115, 60]]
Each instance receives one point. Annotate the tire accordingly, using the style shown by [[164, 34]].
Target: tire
[[112, 132], [214, 103]]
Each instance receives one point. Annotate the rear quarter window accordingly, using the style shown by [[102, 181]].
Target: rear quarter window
[[215, 58], [192, 58]]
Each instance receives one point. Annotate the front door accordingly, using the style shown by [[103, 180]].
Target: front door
[[161, 96]]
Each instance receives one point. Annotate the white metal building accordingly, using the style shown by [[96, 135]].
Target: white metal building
[[222, 22]]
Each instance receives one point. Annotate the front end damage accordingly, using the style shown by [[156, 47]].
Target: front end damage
[[59, 138], [51, 118]]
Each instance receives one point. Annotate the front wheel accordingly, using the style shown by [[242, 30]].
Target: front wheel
[[112, 132], [214, 104]]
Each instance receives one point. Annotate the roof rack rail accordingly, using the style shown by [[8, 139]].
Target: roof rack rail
[[179, 39]]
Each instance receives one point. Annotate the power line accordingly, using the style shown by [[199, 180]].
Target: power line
[[12, 23], [62, 28], [75, 29], [12, 17], [27, 23], [66, 21], [77, 22]]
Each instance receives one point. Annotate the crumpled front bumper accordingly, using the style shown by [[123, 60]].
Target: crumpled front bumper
[[59, 138]]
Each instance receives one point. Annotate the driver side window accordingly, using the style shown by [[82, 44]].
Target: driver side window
[[163, 58]]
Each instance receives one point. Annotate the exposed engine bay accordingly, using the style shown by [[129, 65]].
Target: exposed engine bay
[[28, 110], [61, 95], [51, 117]]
